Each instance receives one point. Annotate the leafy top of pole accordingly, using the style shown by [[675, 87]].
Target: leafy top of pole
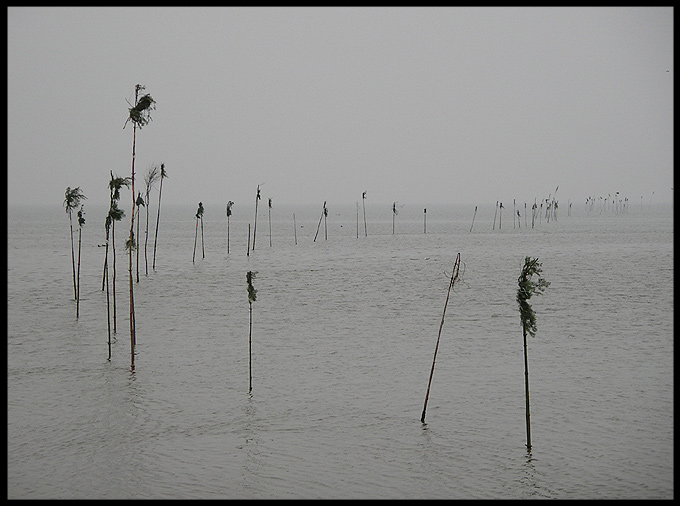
[[115, 214], [163, 172], [258, 194], [527, 288], [252, 292], [363, 195], [229, 204], [325, 209], [81, 219], [72, 198], [270, 203], [199, 213], [151, 177], [115, 184], [140, 113], [140, 200]]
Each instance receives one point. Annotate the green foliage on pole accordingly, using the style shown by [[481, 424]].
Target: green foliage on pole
[[527, 288], [252, 292]]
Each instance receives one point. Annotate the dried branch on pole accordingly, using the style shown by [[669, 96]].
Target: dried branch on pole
[[150, 178]]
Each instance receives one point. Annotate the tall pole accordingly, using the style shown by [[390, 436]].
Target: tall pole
[[454, 278], [131, 242], [526, 388]]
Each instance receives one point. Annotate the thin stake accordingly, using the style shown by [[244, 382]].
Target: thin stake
[[294, 229], [363, 202], [473, 219], [494, 216], [270, 223], [454, 278], [252, 297]]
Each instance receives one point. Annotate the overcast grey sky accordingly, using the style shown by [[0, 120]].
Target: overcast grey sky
[[416, 105]]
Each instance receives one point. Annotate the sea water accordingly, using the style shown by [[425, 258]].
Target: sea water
[[338, 350]]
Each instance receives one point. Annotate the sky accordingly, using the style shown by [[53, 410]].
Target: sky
[[427, 105]]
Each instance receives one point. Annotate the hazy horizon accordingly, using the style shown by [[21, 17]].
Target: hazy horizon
[[422, 105]]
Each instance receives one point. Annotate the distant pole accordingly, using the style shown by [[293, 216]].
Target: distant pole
[[325, 215], [513, 213], [363, 201], [270, 223], [494, 216], [357, 219], [257, 198], [248, 239], [294, 229], [473, 219], [525, 214], [425, 221], [229, 204]]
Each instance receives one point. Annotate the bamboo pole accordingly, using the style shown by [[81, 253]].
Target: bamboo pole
[[81, 221], [454, 278], [526, 388], [473, 219]]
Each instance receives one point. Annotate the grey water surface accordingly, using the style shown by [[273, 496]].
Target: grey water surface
[[343, 336]]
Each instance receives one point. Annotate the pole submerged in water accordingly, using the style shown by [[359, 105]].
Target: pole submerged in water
[[454, 278]]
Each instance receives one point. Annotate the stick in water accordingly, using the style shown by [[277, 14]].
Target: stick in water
[[454, 278]]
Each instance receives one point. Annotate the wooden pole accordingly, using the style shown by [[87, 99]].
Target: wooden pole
[[526, 388], [250, 349], [454, 278], [80, 229], [363, 202], [193, 259], [257, 198], [294, 229], [494, 216]]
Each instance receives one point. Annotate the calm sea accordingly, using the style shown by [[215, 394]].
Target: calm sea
[[343, 336]]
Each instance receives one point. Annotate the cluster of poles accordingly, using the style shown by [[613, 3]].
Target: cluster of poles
[[139, 115], [527, 287]]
